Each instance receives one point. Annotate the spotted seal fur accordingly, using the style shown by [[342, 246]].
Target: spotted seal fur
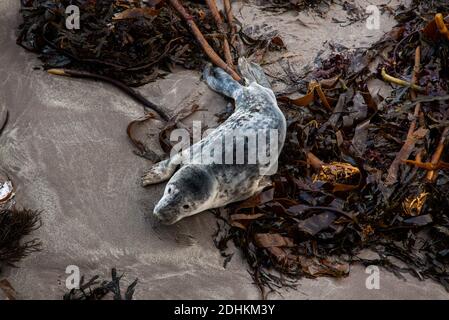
[[193, 186]]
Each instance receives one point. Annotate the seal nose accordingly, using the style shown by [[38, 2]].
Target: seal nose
[[156, 213], [161, 217], [164, 220]]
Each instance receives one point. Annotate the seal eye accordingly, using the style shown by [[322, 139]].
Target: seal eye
[[186, 206], [169, 190]]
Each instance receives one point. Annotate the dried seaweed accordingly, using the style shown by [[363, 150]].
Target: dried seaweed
[[15, 225], [130, 41], [8, 290], [319, 6], [332, 197], [94, 289]]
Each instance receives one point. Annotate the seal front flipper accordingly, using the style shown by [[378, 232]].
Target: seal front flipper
[[221, 82], [159, 172]]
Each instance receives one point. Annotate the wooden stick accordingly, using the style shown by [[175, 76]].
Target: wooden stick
[[219, 21], [213, 56]]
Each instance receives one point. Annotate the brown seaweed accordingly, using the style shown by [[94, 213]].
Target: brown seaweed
[[15, 226], [131, 41], [95, 289], [381, 196]]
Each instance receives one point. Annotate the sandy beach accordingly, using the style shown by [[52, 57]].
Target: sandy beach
[[65, 147]]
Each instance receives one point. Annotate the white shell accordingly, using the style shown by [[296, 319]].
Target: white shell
[[6, 191]]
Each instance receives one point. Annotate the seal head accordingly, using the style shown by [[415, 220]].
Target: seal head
[[188, 192]]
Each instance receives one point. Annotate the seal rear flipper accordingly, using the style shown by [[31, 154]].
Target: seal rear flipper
[[221, 82], [159, 172], [252, 72]]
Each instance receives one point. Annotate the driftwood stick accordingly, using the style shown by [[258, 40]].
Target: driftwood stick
[[213, 56], [219, 21]]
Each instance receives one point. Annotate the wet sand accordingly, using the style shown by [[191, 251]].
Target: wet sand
[[66, 149]]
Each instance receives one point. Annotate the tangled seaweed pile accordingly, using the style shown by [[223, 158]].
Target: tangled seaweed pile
[[94, 289], [15, 224], [296, 4], [132, 41], [364, 167]]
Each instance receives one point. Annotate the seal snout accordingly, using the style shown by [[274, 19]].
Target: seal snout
[[163, 216], [164, 220], [166, 211]]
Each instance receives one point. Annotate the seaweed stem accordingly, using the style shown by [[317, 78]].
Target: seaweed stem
[[407, 147], [230, 18], [219, 21], [439, 20], [436, 157], [413, 94], [400, 82], [134, 94], [214, 57], [314, 161], [428, 165]]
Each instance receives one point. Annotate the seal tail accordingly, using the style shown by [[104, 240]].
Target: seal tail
[[252, 72]]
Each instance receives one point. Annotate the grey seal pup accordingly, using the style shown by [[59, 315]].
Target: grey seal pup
[[195, 185]]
